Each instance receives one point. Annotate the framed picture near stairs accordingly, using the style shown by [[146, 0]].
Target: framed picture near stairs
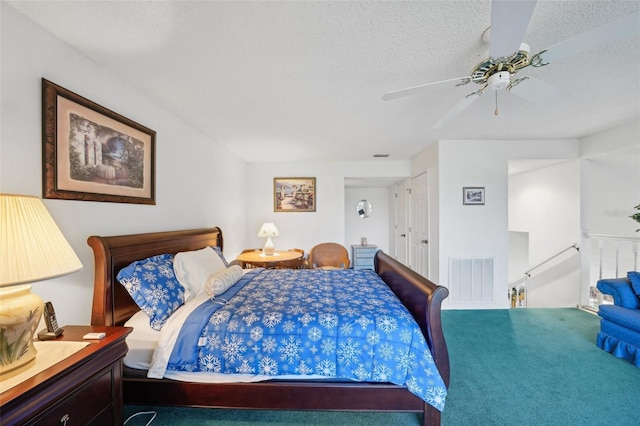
[[473, 195]]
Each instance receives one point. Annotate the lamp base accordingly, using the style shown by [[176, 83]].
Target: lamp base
[[268, 248], [20, 312]]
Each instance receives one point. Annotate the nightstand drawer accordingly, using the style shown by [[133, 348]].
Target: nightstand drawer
[[90, 404], [364, 263], [366, 252]]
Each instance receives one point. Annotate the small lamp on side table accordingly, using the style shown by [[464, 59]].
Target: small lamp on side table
[[32, 248], [268, 230]]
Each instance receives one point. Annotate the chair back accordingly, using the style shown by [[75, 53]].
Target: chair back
[[329, 256]]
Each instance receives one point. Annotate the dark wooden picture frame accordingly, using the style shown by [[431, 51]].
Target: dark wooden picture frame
[[294, 194], [91, 153]]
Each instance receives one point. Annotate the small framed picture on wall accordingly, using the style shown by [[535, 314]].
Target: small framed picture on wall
[[473, 195]]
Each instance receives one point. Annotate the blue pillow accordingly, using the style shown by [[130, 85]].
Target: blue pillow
[[154, 287], [634, 277], [217, 250]]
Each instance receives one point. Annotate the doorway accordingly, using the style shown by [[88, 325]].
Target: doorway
[[544, 206], [419, 225]]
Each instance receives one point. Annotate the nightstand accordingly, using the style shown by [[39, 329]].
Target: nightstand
[[362, 256], [84, 388]]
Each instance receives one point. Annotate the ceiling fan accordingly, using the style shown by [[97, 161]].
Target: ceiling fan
[[508, 55]]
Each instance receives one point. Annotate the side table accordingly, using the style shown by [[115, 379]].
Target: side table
[[362, 256], [280, 258], [84, 388]]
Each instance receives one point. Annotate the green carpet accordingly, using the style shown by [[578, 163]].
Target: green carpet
[[508, 367]]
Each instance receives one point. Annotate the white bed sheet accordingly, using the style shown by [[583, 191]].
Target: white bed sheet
[[142, 342]]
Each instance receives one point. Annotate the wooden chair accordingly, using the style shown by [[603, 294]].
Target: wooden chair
[[328, 256], [298, 263]]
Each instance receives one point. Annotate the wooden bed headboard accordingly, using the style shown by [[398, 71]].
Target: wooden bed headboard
[[114, 253]]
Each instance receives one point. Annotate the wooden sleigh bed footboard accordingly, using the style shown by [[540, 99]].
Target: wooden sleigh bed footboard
[[112, 305]]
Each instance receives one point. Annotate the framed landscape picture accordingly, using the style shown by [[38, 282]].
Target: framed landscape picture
[[473, 195], [93, 154], [296, 194]]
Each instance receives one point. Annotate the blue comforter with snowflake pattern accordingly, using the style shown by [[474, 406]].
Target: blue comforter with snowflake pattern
[[343, 324]]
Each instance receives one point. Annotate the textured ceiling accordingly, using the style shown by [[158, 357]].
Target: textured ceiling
[[303, 81]]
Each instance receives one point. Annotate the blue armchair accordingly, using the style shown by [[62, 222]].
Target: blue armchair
[[620, 323]]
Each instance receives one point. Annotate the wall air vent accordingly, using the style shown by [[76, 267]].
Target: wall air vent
[[380, 155]]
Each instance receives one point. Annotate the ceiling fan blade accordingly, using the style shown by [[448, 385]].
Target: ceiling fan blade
[[416, 89], [509, 21], [539, 92], [607, 33], [456, 110]]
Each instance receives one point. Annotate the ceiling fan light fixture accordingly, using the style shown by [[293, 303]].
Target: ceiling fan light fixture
[[499, 69], [499, 80]]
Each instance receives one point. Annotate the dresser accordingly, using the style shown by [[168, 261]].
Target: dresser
[[362, 256], [85, 388]]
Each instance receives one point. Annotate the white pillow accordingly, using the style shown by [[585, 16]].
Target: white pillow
[[222, 281], [193, 268]]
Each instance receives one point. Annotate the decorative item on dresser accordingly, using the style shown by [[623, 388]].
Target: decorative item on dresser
[[32, 248], [363, 256], [84, 387], [112, 305]]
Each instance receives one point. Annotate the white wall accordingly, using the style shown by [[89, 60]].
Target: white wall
[[375, 227], [518, 254], [611, 188], [482, 231], [328, 222], [545, 203], [198, 183], [611, 161]]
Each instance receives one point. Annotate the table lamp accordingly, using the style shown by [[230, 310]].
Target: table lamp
[[32, 248], [268, 230]]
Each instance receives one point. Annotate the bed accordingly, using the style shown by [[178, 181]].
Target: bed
[[112, 305]]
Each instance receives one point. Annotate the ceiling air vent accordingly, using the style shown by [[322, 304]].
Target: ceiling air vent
[[380, 155]]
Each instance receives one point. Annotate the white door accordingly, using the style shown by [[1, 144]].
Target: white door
[[419, 225], [400, 227]]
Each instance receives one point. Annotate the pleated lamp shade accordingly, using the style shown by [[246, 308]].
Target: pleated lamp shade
[[32, 248]]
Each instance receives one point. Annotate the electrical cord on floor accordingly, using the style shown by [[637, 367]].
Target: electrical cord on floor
[[153, 413]]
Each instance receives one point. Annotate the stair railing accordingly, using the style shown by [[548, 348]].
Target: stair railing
[[518, 288], [615, 256], [601, 238]]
